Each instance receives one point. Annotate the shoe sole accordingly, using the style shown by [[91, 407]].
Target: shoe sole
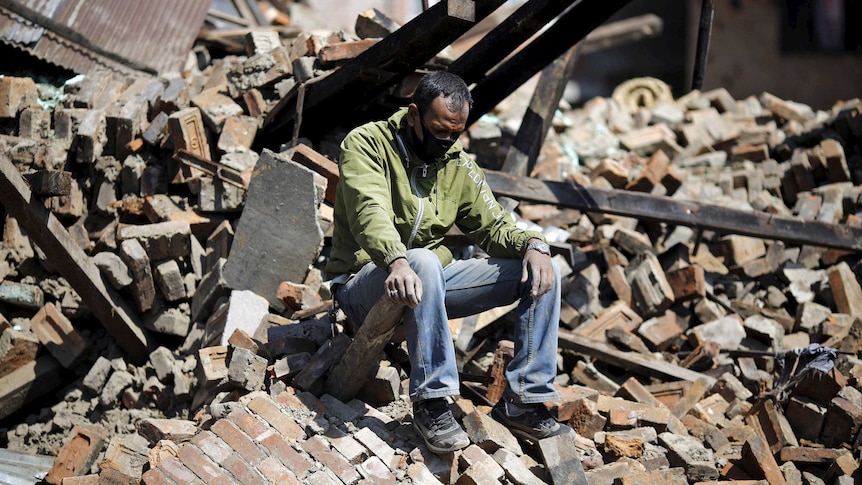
[[437, 449]]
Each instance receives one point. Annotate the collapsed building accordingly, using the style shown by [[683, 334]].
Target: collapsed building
[[164, 318]]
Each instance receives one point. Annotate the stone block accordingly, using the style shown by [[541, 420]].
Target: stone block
[[758, 460], [21, 295], [661, 332], [170, 280], [171, 321], [490, 435], [644, 414], [651, 292], [561, 459], [125, 458], [246, 369], [383, 388], [246, 311], [57, 334], [515, 469], [78, 453], [114, 387], [237, 134], [215, 108], [113, 269], [163, 362], [186, 128], [16, 349], [288, 239], [728, 332], [143, 288], [162, 240], [845, 289], [690, 454], [90, 137], [212, 287], [16, 94], [212, 364], [176, 430], [841, 423]]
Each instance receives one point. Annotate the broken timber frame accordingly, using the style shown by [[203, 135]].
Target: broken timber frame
[[71, 261], [686, 213], [369, 74], [572, 26]]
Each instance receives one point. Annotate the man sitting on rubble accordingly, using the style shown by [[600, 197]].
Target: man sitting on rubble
[[404, 182]]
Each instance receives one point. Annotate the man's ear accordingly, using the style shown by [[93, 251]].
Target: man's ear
[[412, 114]]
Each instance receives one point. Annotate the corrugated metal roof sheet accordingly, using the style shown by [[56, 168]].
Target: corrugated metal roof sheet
[[122, 35]]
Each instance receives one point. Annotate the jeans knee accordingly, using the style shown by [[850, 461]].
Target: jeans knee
[[423, 260]]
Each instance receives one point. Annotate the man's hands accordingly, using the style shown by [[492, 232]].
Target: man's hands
[[538, 266], [403, 284]]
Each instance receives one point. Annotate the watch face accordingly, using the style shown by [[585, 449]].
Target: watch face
[[541, 247]]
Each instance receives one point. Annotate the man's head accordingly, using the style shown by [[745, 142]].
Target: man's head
[[438, 113]]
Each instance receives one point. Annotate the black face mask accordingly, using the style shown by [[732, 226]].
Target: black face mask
[[430, 148]]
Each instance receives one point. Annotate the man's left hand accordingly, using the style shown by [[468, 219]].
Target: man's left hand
[[538, 266]]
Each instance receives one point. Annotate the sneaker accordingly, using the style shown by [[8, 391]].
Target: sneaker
[[534, 423], [437, 426]]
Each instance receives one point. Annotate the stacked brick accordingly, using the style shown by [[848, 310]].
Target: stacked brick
[[156, 180]]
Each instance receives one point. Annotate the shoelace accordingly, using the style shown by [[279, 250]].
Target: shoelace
[[441, 422]]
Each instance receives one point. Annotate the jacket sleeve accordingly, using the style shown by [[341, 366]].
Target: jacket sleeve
[[365, 191], [487, 223]]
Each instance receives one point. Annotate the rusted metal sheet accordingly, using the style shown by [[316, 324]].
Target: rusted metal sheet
[[128, 36]]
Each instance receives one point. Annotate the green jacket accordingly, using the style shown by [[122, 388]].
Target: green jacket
[[382, 208]]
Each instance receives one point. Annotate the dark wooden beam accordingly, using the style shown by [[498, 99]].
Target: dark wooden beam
[[622, 32], [630, 361], [572, 26], [500, 42], [71, 262], [672, 211], [522, 154], [368, 75]]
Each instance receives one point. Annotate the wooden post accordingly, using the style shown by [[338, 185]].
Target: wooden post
[[524, 151], [72, 263], [352, 371]]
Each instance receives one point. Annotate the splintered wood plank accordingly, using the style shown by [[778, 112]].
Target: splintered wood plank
[[352, 371], [672, 211], [630, 361], [71, 262]]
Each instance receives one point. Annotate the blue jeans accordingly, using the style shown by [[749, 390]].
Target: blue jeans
[[463, 288]]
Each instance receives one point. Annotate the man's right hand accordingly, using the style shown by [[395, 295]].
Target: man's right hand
[[403, 284]]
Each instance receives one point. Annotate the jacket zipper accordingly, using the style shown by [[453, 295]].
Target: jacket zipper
[[421, 211]]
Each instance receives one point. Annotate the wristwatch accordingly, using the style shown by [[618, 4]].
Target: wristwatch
[[541, 247]]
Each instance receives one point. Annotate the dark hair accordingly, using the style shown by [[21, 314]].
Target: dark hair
[[452, 87]]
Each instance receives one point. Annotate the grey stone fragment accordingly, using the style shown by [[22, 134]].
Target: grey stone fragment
[[135, 257], [114, 269], [277, 238], [115, 386], [170, 280], [689, 453], [246, 311], [171, 322], [246, 369], [97, 376], [163, 240], [163, 362]]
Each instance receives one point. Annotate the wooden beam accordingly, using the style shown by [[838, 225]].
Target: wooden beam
[[369, 74], [71, 262], [622, 32], [28, 382], [687, 213], [572, 26], [500, 42], [522, 154], [630, 361], [352, 371]]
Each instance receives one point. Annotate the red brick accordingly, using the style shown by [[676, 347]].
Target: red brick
[[378, 472], [318, 448], [243, 472], [154, 476], [292, 459], [78, 454], [176, 471], [203, 467], [758, 460], [57, 334], [212, 446], [248, 423], [273, 470], [238, 440], [687, 283], [377, 447], [269, 411]]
